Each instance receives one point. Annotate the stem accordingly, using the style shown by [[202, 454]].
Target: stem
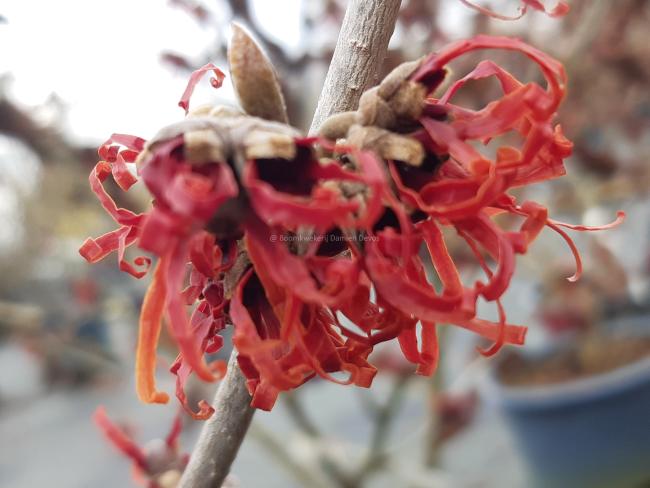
[[360, 52], [385, 417], [299, 415], [436, 385], [278, 450], [432, 445], [358, 56], [328, 465]]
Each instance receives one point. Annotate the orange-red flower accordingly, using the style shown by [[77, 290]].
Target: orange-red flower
[[561, 8], [329, 244]]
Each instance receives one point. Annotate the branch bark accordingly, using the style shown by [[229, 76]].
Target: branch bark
[[360, 52], [222, 433]]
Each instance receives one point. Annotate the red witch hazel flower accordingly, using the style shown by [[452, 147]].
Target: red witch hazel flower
[[561, 8], [159, 464], [317, 249]]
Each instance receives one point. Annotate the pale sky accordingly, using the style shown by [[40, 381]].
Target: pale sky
[[102, 58]]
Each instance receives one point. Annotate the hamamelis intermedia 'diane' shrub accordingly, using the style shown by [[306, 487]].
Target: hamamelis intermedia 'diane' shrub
[[290, 238]]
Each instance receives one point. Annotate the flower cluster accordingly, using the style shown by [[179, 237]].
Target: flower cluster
[[159, 464], [561, 8], [361, 208]]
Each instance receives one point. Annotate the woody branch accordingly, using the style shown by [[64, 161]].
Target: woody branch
[[359, 54]]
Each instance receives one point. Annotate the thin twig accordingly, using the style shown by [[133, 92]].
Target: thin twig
[[329, 465], [360, 52], [299, 415], [369, 403], [385, 417], [436, 386], [50, 145], [279, 451]]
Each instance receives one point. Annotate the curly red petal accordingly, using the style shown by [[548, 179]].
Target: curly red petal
[[188, 343], [120, 439], [117, 157], [560, 9], [324, 207], [175, 431], [151, 314], [216, 81], [291, 272], [260, 349]]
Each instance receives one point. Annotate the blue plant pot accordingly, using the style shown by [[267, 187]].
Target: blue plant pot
[[588, 433]]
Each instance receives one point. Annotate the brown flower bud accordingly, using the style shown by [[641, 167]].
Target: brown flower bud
[[393, 80], [254, 78], [169, 479], [387, 144], [259, 144], [203, 146], [227, 137], [408, 101], [337, 126], [374, 110]]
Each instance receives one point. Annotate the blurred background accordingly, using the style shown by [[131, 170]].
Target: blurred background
[[72, 73]]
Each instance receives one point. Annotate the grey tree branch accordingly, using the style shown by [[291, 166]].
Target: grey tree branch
[[222, 433], [358, 57], [360, 52]]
